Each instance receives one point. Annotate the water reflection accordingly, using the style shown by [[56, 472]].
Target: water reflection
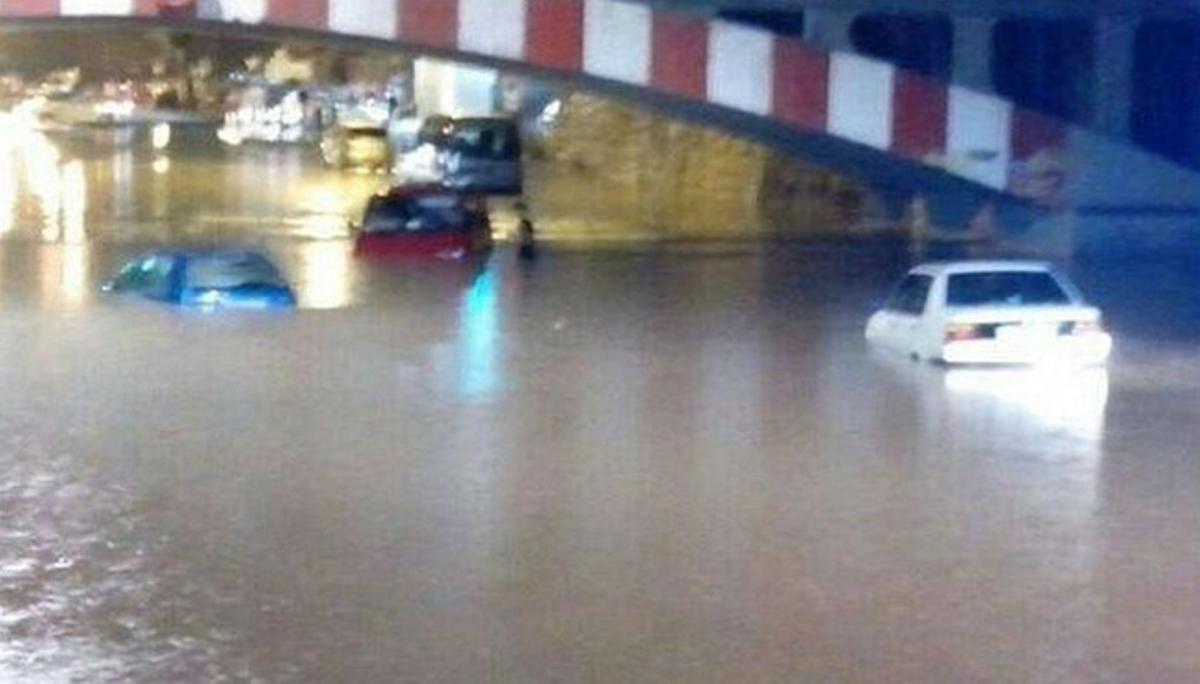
[[34, 173], [73, 280], [74, 203], [479, 321], [325, 277], [1069, 400], [63, 275], [8, 184], [324, 213], [122, 183], [160, 136], [43, 176]]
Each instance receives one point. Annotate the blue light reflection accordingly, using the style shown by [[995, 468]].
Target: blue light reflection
[[479, 338]]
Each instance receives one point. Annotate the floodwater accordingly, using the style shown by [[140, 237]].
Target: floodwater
[[610, 466]]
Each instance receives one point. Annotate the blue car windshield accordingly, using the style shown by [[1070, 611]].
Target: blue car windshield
[[224, 273]]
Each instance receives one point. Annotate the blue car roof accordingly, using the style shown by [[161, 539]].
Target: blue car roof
[[189, 254]]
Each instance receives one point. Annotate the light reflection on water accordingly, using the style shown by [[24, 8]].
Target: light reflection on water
[[74, 279], [479, 322], [76, 197], [325, 274], [74, 190], [8, 183], [1052, 416], [1071, 400], [122, 183]]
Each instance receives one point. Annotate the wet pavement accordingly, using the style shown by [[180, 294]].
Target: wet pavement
[[625, 465]]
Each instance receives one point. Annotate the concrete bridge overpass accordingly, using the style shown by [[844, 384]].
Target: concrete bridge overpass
[[963, 153]]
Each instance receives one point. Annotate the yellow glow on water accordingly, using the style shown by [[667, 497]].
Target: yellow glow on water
[[324, 214], [43, 176], [74, 203], [161, 165], [325, 274], [73, 278], [325, 200], [8, 182]]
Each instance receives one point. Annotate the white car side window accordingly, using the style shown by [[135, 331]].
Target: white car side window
[[911, 295]]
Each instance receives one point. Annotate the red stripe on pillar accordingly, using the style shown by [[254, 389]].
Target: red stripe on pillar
[[309, 14], [800, 84], [679, 55], [554, 33], [919, 115], [29, 8], [429, 22], [1033, 132], [167, 9]]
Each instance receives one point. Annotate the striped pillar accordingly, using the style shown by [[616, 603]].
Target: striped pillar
[[554, 34], [979, 136], [369, 18], [871, 103], [492, 27], [861, 100], [429, 22], [679, 56], [96, 7], [800, 85], [739, 66], [616, 40], [29, 8]]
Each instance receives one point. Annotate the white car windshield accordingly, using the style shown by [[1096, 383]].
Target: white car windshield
[[1005, 288]]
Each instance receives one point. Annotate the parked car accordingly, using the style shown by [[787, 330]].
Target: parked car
[[472, 154], [357, 145], [990, 312], [205, 279], [424, 221]]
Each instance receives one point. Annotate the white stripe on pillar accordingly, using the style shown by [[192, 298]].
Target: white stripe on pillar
[[246, 11], [96, 7], [375, 18], [978, 136], [740, 67], [492, 27], [860, 99], [616, 40]]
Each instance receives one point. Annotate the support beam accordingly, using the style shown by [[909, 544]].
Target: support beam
[[1113, 102], [828, 29], [973, 52]]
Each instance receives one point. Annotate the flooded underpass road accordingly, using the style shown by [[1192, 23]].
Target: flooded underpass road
[[641, 465]]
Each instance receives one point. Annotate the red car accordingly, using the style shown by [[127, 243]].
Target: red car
[[424, 221]]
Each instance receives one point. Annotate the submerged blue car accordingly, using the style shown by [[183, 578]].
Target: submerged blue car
[[205, 279]]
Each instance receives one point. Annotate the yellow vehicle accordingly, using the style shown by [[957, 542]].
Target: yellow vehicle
[[358, 146]]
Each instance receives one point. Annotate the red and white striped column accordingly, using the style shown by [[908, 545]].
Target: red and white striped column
[[865, 101]]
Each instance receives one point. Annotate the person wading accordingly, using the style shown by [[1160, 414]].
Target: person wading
[[526, 244]]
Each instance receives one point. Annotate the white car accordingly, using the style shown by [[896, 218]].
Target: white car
[[990, 312]]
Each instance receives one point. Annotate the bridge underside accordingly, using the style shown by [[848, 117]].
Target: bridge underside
[[958, 154]]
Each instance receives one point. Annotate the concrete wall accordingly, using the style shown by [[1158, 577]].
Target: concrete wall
[[1127, 200], [614, 172]]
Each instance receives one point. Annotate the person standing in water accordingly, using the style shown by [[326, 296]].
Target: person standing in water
[[526, 245]]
